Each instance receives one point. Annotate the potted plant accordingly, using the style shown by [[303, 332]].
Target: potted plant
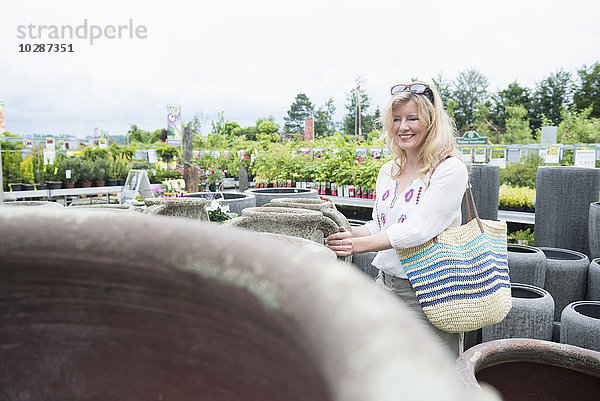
[[86, 171], [70, 171], [99, 172], [27, 175], [51, 174]]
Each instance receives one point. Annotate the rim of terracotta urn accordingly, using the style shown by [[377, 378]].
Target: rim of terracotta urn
[[365, 344]]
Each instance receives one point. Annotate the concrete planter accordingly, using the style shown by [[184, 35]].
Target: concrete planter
[[594, 230], [531, 316], [303, 223], [563, 197], [185, 310], [189, 208], [580, 325], [266, 195], [106, 206], [485, 182], [235, 200], [322, 206], [525, 369], [566, 277], [527, 265], [593, 286], [45, 204]]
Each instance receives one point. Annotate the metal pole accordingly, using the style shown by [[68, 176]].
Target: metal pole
[[356, 118], [359, 114], [1, 177]]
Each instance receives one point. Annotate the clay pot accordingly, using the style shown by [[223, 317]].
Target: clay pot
[[566, 277], [531, 315], [525, 369], [235, 200], [594, 230], [266, 195], [527, 265], [308, 224], [593, 282], [105, 306], [580, 325], [189, 208]]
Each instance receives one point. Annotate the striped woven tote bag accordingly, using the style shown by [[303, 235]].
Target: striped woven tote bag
[[461, 277]]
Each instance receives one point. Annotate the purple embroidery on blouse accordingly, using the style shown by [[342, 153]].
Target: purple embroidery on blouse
[[385, 195], [383, 218], [408, 196], [402, 218]]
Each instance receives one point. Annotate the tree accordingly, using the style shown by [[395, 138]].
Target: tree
[[578, 127], [588, 90], [443, 86], [299, 110], [324, 124], [517, 126], [267, 132], [550, 96], [513, 95], [468, 89]]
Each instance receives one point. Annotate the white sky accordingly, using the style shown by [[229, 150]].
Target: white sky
[[251, 58]]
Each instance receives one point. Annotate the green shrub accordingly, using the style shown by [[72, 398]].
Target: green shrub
[[521, 174], [516, 197]]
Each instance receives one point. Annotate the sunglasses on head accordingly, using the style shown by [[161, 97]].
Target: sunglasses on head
[[419, 89]]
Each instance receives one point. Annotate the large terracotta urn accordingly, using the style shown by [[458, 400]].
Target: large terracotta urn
[[122, 306]]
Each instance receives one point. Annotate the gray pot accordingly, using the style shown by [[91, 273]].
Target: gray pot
[[566, 277], [531, 315], [183, 310], [580, 325], [527, 265], [563, 197], [526, 369], [485, 182], [594, 230], [189, 208], [363, 262], [323, 206], [235, 200], [303, 223], [593, 284], [266, 195], [45, 204]]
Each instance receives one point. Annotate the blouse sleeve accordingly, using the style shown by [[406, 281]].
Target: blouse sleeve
[[439, 206]]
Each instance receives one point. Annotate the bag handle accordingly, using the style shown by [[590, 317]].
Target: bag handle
[[469, 216]]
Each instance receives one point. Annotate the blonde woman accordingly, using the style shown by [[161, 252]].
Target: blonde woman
[[419, 193]]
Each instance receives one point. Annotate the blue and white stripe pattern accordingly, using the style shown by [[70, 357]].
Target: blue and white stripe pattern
[[462, 279]]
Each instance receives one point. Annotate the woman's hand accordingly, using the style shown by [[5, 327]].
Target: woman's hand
[[341, 242], [328, 200]]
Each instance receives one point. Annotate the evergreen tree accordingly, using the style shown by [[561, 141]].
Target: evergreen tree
[[517, 126], [588, 91], [366, 121], [468, 89], [324, 124], [513, 95], [550, 96], [301, 109]]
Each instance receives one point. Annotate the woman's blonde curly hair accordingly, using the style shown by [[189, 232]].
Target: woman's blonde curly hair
[[441, 130]]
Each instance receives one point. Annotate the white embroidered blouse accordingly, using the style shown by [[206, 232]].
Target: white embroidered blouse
[[417, 214]]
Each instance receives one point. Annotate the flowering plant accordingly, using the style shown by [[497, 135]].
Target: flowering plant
[[171, 188], [218, 212], [211, 175]]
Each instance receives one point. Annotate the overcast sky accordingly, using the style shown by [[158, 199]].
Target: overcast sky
[[251, 58]]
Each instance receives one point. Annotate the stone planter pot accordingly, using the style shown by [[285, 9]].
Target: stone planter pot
[[266, 195], [44, 204], [7, 197], [593, 286], [184, 311], [103, 206], [322, 206], [189, 208], [594, 230], [485, 182], [306, 247], [580, 325], [563, 197], [527, 265], [566, 277], [525, 369], [303, 223], [235, 200], [531, 315]]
